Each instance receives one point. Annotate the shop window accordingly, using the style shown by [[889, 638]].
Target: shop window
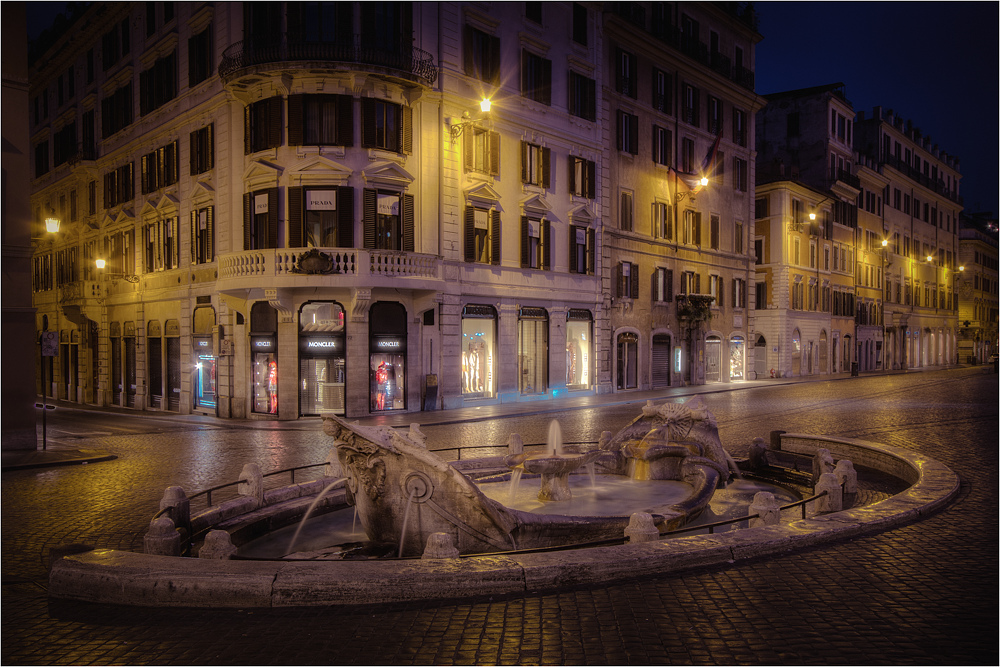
[[321, 217], [478, 351], [386, 126], [260, 219], [532, 350], [628, 361], [320, 120], [579, 334], [482, 235], [388, 220], [264, 358], [322, 355], [535, 243]]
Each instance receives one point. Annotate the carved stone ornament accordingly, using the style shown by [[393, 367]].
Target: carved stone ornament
[[314, 261]]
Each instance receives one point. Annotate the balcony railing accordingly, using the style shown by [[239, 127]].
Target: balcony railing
[[416, 63], [349, 262]]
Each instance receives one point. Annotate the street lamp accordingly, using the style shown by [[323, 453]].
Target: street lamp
[[128, 277], [456, 129]]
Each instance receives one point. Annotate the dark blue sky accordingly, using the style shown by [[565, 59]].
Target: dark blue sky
[[934, 63]]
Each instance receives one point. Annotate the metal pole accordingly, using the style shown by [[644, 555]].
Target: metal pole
[[45, 399]]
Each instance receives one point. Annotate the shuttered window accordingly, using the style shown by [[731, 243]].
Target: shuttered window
[[262, 125]]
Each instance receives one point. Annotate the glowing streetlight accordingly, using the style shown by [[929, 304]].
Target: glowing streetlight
[[100, 263], [484, 106]]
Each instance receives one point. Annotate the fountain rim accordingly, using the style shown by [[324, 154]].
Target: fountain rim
[[134, 579]]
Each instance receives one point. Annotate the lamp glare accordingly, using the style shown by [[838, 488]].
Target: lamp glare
[[484, 106]]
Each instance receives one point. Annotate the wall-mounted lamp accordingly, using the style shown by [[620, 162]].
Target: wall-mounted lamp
[[691, 191], [128, 277], [51, 222], [456, 129]]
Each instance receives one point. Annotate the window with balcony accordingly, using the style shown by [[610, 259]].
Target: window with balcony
[[482, 55], [740, 175], [581, 250], [387, 27], [262, 125], [260, 219], [536, 246], [116, 110], [692, 227], [715, 288], [201, 61], [662, 221], [320, 217], [482, 151], [628, 132], [535, 165], [159, 168], [627, 280], [625, 221], [321, 23], [663, 285], [582, 96], [536, 77], [320, 120], [388, 220], [203, 235], [662, 144], [161, 244], [202, 149], [386, 126], [690, 283], [626, 73], [662, 91], [579, 24], [715, 115], [158, 84], [482, 235], [691, 113], [119, 186], [582, 177]]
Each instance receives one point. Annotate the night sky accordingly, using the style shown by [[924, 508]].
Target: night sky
[[934, 63]]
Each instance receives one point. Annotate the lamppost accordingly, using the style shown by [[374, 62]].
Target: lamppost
[[885, 297], [49, 342], [128, 277]]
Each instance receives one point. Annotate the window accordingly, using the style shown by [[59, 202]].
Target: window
[[386, 126], [713, 232], [536, 77], [663, 221], [168, 12], [203, 235], [388, 220], [626, 73], [662, 144], [262, 125], [687, 155], [758, 251], [88, 141], [92, 198], [739, 127], [692, 227], [119, 186], [202, 150], [625, 212], [60, 96], [200, 56], [579, 24], [321, 217], [90, 66], [150, 18], [260, 219], [628, 132], [159, 168], [690, 283], [482, 235], [74, 209], [582, 177], [690, 112], [627, 280], [533, 11], [715, 115], [792, 124], [41, 158], [740, 175], [482, 55], [116, 110], [715, 288], [582, 96], [158, 84], [535, 165], [760, 295], [535, 243], [796, 252], [482, 151], [738, 238], [160, 245], [663, 285], [662, 88], [320, 120], [114, 44], [581, 250]]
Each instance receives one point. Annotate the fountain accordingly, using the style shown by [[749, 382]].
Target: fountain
[[553, 465]]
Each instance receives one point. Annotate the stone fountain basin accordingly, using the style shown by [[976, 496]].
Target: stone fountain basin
[[128, 578]]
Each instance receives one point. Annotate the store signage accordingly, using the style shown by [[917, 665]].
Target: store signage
[[581, 236], [202, 344], [388, 204], [260, 204], [388, 344], [262, 343], [321, 345], [321, 200]]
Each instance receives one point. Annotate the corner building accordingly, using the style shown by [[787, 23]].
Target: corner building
[[304, 208]]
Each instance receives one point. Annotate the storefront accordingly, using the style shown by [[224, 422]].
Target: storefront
[[387, 356], [660, 367], [713, 359], [204, 358], [628, 361], [532, 350], [264, 358], [115, 362], [737, 358], [172, 341], [322, 367], [579, 334], [154, 363], [69, 353], [478, 351], [130, 379]]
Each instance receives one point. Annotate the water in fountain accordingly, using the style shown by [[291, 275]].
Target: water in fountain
[[515, 481], [610, 495], [305, 517], [406, 518], [555, 439]]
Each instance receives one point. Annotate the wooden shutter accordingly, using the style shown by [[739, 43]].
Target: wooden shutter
[[367, 122], [697, 283], [591, 251], [633, 134], [369, 210], [571, 161], [722, 292], [345, 114], [493, 61], [546, 92], [618, 279], [546, 154], [296, 133], [573, 268], [408, 226], [295, 215], [470, 234], [467, 57], [524, 71], [247, 220], [591, 179], [468, 149], [697, 228], [735, 302], [210, 233], [345, 217], [495, 237], [274, 124], [247, 144], [494, 153], [524, 162], [524, 242], [193, 153], [272, 217], [669, 280], [620, 130], [406, 129], [635, 281], [194, 236], [546, 244], [618, 70]]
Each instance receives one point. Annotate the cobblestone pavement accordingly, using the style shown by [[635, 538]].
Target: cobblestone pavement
[[925, 593]]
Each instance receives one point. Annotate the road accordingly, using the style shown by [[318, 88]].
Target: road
[[923, 593]]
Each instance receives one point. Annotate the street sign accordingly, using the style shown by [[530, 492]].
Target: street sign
[[50, 343]]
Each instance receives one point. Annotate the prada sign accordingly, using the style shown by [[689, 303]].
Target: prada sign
[[321, 200]]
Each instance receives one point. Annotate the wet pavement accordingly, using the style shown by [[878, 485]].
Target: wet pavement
[[923, 593]]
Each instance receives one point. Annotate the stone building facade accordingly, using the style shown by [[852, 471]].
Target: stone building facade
[[977, 288]]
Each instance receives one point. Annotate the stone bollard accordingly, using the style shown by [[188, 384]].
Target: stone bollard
[[605, 441], [515, 445], [757, 455], [767, 508], [417, 436], [218, 545], [252, 483], [439, 545], [332, 468], [175, 498], [833, 501], [641, 528], [162, 538], [846, 475], [822, 463]]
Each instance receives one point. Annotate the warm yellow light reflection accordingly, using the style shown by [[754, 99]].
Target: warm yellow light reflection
[[484, 106], [704, 181]]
